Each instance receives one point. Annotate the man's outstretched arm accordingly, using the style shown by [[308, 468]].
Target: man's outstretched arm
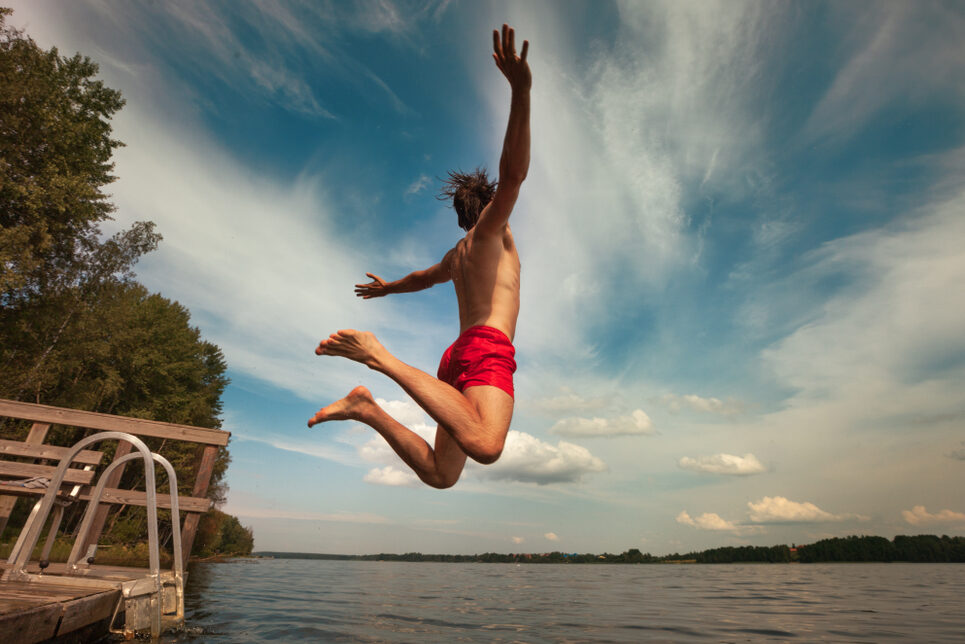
[[514, 162], [415, 281]]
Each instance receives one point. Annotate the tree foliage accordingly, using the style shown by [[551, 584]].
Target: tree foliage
[[76, 329], [55, 159], [920, 549], [925, 548], [222, 534]]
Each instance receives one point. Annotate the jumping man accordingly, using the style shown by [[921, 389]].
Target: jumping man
[[472, 398]]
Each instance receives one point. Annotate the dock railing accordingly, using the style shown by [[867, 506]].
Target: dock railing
[[43, 417]]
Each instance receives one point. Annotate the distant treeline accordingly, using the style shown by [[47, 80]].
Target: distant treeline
[[925, 548]]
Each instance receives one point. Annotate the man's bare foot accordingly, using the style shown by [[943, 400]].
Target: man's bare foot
[[352, 407], [360, 346]]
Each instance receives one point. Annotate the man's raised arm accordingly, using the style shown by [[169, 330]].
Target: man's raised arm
[[514, 162], [415, 281]]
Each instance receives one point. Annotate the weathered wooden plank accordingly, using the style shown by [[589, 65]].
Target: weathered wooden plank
[[107, 422], [18, 490], [52, 452], [29, 626], [87, 610], [137, 497], [205, 469], [36, 593], [36, 436], [73, 475], [30, 612], [188, 504]]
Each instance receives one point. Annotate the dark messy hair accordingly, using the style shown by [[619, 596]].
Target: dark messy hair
[[470, 193]]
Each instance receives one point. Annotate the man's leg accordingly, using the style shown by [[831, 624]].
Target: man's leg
[[439, 467], [477, 419]]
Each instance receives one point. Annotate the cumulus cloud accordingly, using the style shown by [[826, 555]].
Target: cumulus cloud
[[551, 536], [919, 516], [635, 424], [518, 540], [778, 509], [724, 464], [707, 521], [676, 403], [527, 459], [391, 476]]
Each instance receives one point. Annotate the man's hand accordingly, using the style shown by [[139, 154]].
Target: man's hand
[[513, 67], [376, 288]]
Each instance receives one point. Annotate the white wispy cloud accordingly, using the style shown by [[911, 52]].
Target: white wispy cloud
[[890, 47], [228, 232], [517, 540], [568, 402], [724, 464], [661, 107], [252, 512], [675, 403], [304, 448], [551, 536], [418, 185], [889, 342], [919, 516], [527, 459], [778, 509], [637, 423]]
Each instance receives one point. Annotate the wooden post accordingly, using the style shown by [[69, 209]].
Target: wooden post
[[38, 432], [205, 470], [100, 517]]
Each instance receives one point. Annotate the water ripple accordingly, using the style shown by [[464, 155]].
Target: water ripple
[[330, 601]]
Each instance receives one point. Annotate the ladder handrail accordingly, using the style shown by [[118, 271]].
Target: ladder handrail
[[95, 498], [19, 559]]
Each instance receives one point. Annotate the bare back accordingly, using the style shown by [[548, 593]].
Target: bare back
[[485, 272]]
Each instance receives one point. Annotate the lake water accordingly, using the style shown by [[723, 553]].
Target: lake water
[[286, 600]]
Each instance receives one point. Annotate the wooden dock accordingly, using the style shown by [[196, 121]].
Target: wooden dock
[[83, 610], [32, 613], [81, 600]]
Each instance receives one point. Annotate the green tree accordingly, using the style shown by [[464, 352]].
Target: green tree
[[222, 534], [55, 159], [76, 329]]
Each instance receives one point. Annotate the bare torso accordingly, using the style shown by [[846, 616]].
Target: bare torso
[[485, 273]]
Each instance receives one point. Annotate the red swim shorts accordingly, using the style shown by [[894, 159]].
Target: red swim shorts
[[482, 355]]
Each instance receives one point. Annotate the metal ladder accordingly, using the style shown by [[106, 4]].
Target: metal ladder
[[152, 602]]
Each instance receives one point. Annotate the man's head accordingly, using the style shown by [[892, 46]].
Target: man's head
[[470, 193]]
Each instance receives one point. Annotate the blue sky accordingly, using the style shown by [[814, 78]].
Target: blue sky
[[741, 239]]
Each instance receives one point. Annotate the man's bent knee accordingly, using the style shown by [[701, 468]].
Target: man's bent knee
[[487, 452], [440, 481]]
